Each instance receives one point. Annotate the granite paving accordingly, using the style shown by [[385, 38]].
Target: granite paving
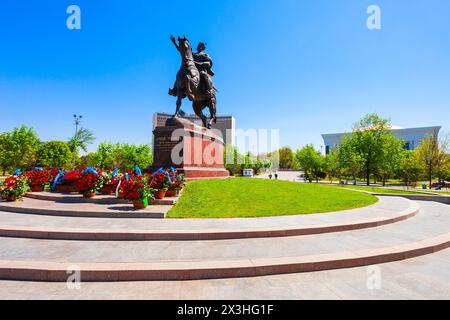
[[432, 220], [425, 277]]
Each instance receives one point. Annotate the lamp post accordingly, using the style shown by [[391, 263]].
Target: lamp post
[[77, 121]]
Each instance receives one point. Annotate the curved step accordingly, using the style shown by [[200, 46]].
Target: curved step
[[425, 225], [206, 229], [49, 260], [60, 271], [88, 210]]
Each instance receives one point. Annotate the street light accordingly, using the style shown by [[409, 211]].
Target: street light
[[77, 121]]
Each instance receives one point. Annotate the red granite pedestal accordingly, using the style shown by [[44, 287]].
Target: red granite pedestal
[[191, 149]]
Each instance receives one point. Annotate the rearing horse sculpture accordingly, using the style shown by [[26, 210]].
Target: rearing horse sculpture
[[191, 84]]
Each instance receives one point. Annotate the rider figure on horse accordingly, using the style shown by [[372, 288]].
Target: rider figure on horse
[[204, 63]]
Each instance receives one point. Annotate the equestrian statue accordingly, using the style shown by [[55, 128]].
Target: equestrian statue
[[194, 80]]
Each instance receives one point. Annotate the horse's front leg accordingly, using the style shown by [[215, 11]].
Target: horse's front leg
[[188, 86], [212, 112], [179, 101]]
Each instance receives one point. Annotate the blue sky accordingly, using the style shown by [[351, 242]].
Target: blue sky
[[304, 67]]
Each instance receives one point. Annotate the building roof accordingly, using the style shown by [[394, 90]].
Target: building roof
[[394, 129]]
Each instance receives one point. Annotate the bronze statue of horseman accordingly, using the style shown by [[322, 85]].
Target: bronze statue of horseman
[[194, 80]]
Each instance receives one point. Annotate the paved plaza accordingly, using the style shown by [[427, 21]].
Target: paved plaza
[[400, 232], [424, 277]]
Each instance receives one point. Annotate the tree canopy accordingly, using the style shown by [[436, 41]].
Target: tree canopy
[[18, 148], [54, 154], [310, 161], [123, 156]]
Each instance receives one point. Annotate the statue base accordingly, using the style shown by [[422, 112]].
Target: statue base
[[191, 149]]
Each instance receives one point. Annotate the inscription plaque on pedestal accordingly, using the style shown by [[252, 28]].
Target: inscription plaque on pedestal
[[193, 150]]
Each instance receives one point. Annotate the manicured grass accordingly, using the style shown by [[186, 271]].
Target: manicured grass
[[247, 197], [379, 190]]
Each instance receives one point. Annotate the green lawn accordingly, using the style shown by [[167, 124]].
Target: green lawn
[[379, 190], [246, 197]]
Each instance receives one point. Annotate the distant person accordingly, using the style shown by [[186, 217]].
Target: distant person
[[270, 176], [276, 176]]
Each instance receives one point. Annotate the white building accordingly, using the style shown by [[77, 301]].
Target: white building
[[411, 137]]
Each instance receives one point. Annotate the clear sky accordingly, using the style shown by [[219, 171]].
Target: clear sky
[[304, 67]]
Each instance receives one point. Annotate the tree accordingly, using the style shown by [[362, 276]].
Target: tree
[[233, 160], [389, 157], [132, 155], [3, 159], [332, 166], [310, 161], [369, 137], [409, 167], [123, 156], [18, 148], [443, 159], [433, 154], [104, 157], [255, 163], [286, 158], [87, 160], [446, 173], [79, 141], [54, 154], [349, 159]]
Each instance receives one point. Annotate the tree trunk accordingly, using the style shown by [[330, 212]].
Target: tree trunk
[[430, 169], [368, 173]]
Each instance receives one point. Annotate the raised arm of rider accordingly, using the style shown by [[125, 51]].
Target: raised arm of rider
[[174, 42]]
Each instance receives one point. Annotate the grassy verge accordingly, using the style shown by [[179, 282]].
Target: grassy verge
[[380, 190], [243, 197], [437, 192]]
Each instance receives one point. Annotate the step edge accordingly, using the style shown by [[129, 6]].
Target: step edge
[[204, 234], [196, 270]]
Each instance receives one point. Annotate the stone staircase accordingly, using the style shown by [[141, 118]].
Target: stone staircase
[[44, 239]]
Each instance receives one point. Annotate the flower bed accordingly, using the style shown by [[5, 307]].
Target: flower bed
[[37, 179], [69, 181], [159, 181], [133, 185], [110, 182], [166, 182], [88, 182], [14, 188], [177, 183], [138, 191]]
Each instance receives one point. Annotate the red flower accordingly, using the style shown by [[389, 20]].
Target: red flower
[[37, 177], [136, 188], [89, 181], [71, 176]]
